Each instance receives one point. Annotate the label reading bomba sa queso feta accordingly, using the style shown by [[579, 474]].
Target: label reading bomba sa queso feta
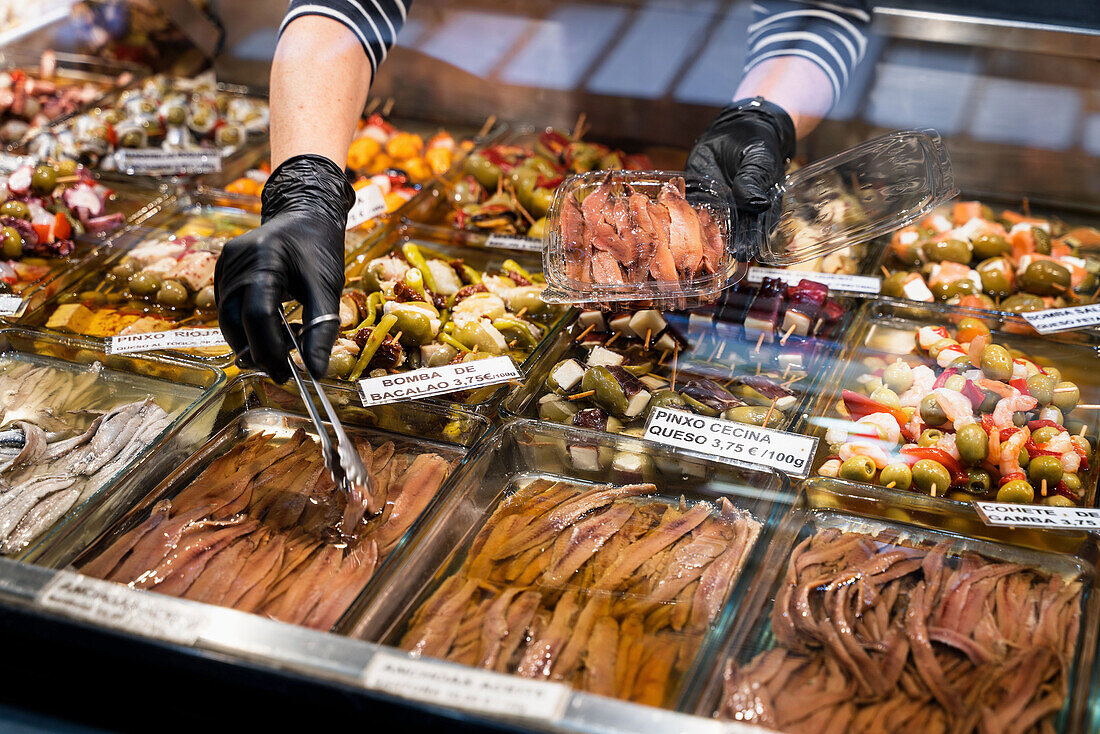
[[1039, 516], [154, 340], [514, 242], [369, 203], [10, 304], [836, 281], [728, 440], [429, 381], [1051, 320], [154, 161]]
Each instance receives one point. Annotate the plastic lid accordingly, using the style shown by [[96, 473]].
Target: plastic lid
[[872, 189]]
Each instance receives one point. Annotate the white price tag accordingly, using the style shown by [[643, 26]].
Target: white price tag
[[465, 688], [835, 281], [428, 381], [514, 242], [369, 203], [1052, 320], [727, 440], [153, 161], [120, 607], [1039, 516], [10, 304], [154, 340]]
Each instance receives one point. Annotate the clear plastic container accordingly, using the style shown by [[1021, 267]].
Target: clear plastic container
[[514, 469], [60, 385], [767, 629], [885, 332], [608, 249], [290, 502]]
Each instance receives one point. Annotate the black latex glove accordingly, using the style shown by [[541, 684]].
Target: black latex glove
[[297, 252], [747, 148]]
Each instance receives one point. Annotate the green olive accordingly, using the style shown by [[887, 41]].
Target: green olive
[[989, 245], [978, 481], [973, 443], [995, 283], [93, 298], [857, 469], [898, 475], [941, 291], [996, 363], [131, 139], [931, 412], [15, 209], [176, 115], [1041, 388], [124, 269], [930, 437], [1042, 240], [939, 346], [44, 179], [12, 242], [415, 326], [893, 286], [753, 415], [1023, 458], [1066, 395], [340, 365], [959, 496], [1044, 434], [898, 377], [1045, 467], [1072, 482], [1045, 278], [989, 403], [666, 399], [609, 394], [963, 287], [928, 474], [956, 382], [955, 251], [1020, 418], [558, 411], [144, 285], [1053, 373], [172, 294], [1057, 500], [1082, 443], [204, 299], [67, 167], [1017, 491], [886, 396], [1022, 303]]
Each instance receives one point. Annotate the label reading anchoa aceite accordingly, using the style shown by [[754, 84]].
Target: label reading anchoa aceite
[[429, 381], [731, 441], [154, 340], [153, 161], [1039, 516], [836, 281], [514, 242], [10, 304], [461, 687], [1051, 320], [369, 203]]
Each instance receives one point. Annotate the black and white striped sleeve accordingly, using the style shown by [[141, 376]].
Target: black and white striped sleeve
[[374, 22], [830, 34]]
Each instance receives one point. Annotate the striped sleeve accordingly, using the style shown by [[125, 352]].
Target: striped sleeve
[[830, 34], [374, 22]]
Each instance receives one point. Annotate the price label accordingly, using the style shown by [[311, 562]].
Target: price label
[[154, 340], [119, 607], [1051, 320], [429, 381], [10, 304], [835, 281], [730, 441], [153, 161], [369, 203], [514, 242], [1039, 516], [465, 688]]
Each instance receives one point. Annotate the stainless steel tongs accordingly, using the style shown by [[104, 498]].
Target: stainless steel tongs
[[341, 460]]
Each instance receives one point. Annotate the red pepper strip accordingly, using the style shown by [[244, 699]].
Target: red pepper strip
[[548, 183], [1065, 491], [973, 393], [1009, 477], [962, 478], [1033, 450], [495, 157], [942, 379], [1006, 433], [931, 452], [1044, 423], [987, 424], [1084, 458], [1020, 385], [859, 406]]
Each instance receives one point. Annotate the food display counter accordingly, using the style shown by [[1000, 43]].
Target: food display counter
[[603, 452]]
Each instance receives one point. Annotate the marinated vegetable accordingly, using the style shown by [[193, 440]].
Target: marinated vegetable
[[33, 97], [1012, 262], [607, 588], [969, 419]]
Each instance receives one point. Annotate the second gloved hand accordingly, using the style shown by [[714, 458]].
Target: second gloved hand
[[297, 252], [747, 148]]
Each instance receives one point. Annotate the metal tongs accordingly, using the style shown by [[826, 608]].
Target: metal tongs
[[342, 460]]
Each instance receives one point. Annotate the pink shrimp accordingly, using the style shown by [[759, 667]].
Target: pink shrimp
[[998, 387], [923, 380], [830, 468], [1070, 461], [861, 447], [1002, 414], [947, 443], [886, 423], [1060, 443], [1010, 452], [955, 406]]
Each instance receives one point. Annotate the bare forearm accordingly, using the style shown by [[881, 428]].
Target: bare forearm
[[797, 85], [319, 82]]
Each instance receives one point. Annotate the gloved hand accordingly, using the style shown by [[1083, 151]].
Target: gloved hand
[[747, 148], [297, 252]]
